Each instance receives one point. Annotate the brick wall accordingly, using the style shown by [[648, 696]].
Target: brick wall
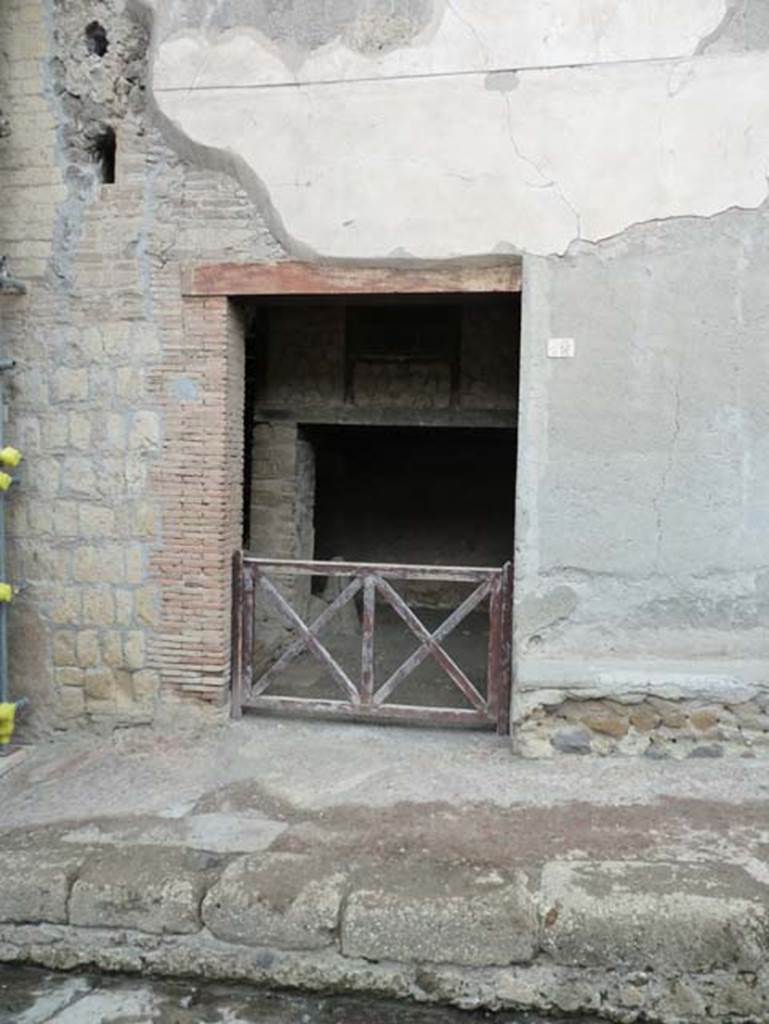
[[198, 478], [126, 396]]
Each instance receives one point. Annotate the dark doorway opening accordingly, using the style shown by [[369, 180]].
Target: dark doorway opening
[[381, 429]]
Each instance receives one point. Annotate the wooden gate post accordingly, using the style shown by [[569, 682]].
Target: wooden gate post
[[505, 651], [237, 660]]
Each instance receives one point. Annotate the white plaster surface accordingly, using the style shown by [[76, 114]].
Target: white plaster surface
[[466, 35], [359, 161]]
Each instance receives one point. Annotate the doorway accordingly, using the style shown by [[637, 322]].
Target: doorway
[[380, 434]]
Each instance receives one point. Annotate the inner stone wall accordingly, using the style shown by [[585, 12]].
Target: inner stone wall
[[282, 492], [302, 362]]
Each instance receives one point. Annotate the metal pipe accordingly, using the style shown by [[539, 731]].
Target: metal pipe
[[5, 364], [3, 605], [12, 285]]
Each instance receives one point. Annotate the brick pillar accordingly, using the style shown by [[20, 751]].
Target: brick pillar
[[199, 479]]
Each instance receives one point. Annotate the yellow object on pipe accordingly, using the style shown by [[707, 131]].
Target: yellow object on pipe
[[6, 592], [5, 480], [10, 456], [7, 722]]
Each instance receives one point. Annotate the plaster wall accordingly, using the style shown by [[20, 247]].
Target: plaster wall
[[543, 123], [641, 543]]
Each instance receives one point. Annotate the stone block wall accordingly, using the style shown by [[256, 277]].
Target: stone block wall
[[282, 503], [303, 364], [281, 484], [123, 517], [655, 726]]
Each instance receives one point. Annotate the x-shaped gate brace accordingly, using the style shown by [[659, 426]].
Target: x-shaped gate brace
[[365, 699]]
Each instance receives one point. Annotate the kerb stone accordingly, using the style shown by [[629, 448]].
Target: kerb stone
[[152, 889], [477, 923], [663, 916], [284, 900], [36, 884]]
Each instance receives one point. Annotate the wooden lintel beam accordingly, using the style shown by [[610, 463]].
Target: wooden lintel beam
[[295, 278]]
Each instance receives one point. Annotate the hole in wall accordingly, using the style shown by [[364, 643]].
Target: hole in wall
[[96, 40], [104, 151]]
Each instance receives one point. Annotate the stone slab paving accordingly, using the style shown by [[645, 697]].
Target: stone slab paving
[[552, 897]]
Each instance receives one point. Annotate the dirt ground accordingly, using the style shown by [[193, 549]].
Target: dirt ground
[[389, 791]]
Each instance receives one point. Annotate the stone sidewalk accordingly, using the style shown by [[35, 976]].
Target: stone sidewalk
[[423, 865]]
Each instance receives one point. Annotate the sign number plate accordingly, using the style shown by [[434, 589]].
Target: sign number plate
[[560, 348]]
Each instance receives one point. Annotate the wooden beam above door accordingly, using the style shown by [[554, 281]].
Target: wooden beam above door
[[295, 278]]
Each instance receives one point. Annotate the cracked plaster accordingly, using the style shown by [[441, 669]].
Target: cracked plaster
[[643, 462], [433, 147]]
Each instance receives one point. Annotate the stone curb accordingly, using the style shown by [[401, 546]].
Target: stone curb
[[468, 920], [36, 886], [276, 899], [153, 889], [667, 917], [664, 927]]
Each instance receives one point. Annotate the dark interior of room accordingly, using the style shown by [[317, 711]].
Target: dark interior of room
[[414, 495]]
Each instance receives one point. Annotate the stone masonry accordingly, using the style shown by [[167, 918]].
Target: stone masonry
[[684, 943], [655, 726], [115, 387]]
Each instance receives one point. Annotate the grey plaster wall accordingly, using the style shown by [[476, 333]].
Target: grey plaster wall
[[299, 26], [643, 515]]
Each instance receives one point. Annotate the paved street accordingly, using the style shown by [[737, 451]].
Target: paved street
[[397, 863]]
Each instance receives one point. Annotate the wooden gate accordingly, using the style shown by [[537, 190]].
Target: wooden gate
[[361, 695]]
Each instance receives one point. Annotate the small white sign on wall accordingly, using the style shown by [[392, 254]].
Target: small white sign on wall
[[560, 348]]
